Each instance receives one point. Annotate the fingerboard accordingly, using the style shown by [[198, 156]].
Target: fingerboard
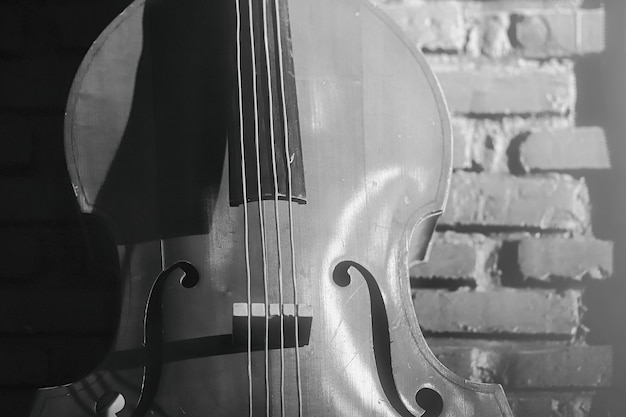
[[265, 108]]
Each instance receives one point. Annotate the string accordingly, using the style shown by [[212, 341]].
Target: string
[[288, 159], [245, 211], [162, 249], [276, 216], [261, 209]]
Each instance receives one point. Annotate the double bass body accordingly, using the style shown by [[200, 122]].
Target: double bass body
[[147, 129]]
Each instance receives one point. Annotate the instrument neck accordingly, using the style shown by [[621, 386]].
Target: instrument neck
[[265, 128]]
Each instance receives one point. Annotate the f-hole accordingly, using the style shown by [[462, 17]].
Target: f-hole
[[109, 404], [430, 401], [426, 398]]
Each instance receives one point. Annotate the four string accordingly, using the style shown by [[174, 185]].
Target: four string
[[261, 214], [288, 159], [282, 97], [276, 215], [245, 210]]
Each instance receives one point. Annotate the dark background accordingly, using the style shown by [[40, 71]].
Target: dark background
[[58, 292]]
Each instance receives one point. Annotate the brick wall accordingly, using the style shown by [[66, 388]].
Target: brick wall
[[504, 296]]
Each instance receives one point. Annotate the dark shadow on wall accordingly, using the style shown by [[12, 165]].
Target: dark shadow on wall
[[601, 82], [41, 45]]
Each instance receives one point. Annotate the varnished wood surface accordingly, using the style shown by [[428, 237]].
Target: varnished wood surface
[[146, 145]]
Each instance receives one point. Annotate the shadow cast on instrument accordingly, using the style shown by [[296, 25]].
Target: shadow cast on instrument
[[166, 173]]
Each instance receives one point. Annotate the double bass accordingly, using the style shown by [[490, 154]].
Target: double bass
[[267, 168]]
